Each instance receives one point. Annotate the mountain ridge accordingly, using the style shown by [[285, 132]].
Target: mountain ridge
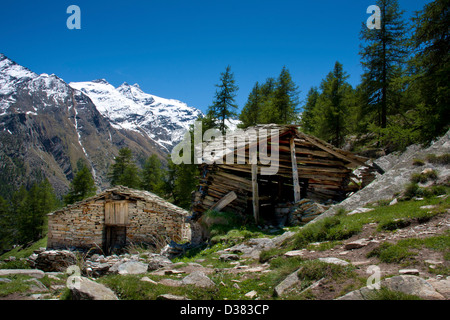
[[47, 126]]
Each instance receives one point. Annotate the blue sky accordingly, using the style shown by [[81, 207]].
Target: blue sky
[[177, 49]]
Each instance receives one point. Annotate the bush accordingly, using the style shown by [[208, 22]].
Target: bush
[[395, 224], [442, 159], [424, 177], [418, 162]]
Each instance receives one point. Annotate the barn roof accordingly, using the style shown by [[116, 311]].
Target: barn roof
[[242, 138], [129, 193]]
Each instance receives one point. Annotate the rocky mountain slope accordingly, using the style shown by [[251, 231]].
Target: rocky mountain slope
[[46, 126]]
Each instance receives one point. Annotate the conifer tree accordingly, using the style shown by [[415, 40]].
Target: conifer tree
[[285, 98], [431, 68], [307, 119], [152, 175], [224, 106], [124, 171], [332, 111], [81, 187], [250, 114], [382, 56]]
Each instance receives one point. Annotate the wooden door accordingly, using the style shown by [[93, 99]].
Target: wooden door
[[116, 213]]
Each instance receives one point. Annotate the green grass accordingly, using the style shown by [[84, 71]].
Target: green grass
[[25, 253], [17, 285], [442, 159], [405, 250], [386, 294], [341, 227]]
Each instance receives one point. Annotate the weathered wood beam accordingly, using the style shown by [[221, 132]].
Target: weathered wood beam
[[222, 203], [294, 171], [255, 199]]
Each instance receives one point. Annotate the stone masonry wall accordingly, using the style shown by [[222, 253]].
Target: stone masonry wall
[[83, 226], [150, 221], [80, 226]]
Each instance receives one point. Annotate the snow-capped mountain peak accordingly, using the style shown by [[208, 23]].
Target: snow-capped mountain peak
[[129, 107]]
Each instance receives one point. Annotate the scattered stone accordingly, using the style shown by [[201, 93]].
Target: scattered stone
[[86, 289], [360, 210], [334, 261], [198, 279], [171, 297], [252, 294], [290, 281], [442, 286], [295, 253], [173, 271], [171, 282], [157, 261], [147, 279], [34, 273], [36, 285], [5, 280], [409, 271], [132, 267], [228, 257], [357, 244], [428, 207], [395, 201]]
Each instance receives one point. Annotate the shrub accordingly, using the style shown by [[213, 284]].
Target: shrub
[[442, 159], [391, 225], [418, 162]]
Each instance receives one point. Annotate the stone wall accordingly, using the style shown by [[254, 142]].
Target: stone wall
[[83, 226], [150, 221], [77, 226]]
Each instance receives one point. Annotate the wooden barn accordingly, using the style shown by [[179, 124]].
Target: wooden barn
[[307, 171], [115, 218]]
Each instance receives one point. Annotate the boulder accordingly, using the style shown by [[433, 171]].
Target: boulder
[[290, 281], [132, 267], [198, 279], [407, 284], [357, 244], [157, 261], [86, 289]]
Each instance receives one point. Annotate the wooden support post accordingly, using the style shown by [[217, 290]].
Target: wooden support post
[[255, 192], [294, 171]]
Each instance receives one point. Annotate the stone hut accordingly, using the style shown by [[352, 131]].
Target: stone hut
[[115, 218]]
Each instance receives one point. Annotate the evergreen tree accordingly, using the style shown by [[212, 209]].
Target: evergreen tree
[[81, 187], [152, 175], [285, 98], [224, 105], [331, 114], [382, 56], [5, 225], [250, 114], [124, 171], [431, 68], [31, 210], [307, 118]]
